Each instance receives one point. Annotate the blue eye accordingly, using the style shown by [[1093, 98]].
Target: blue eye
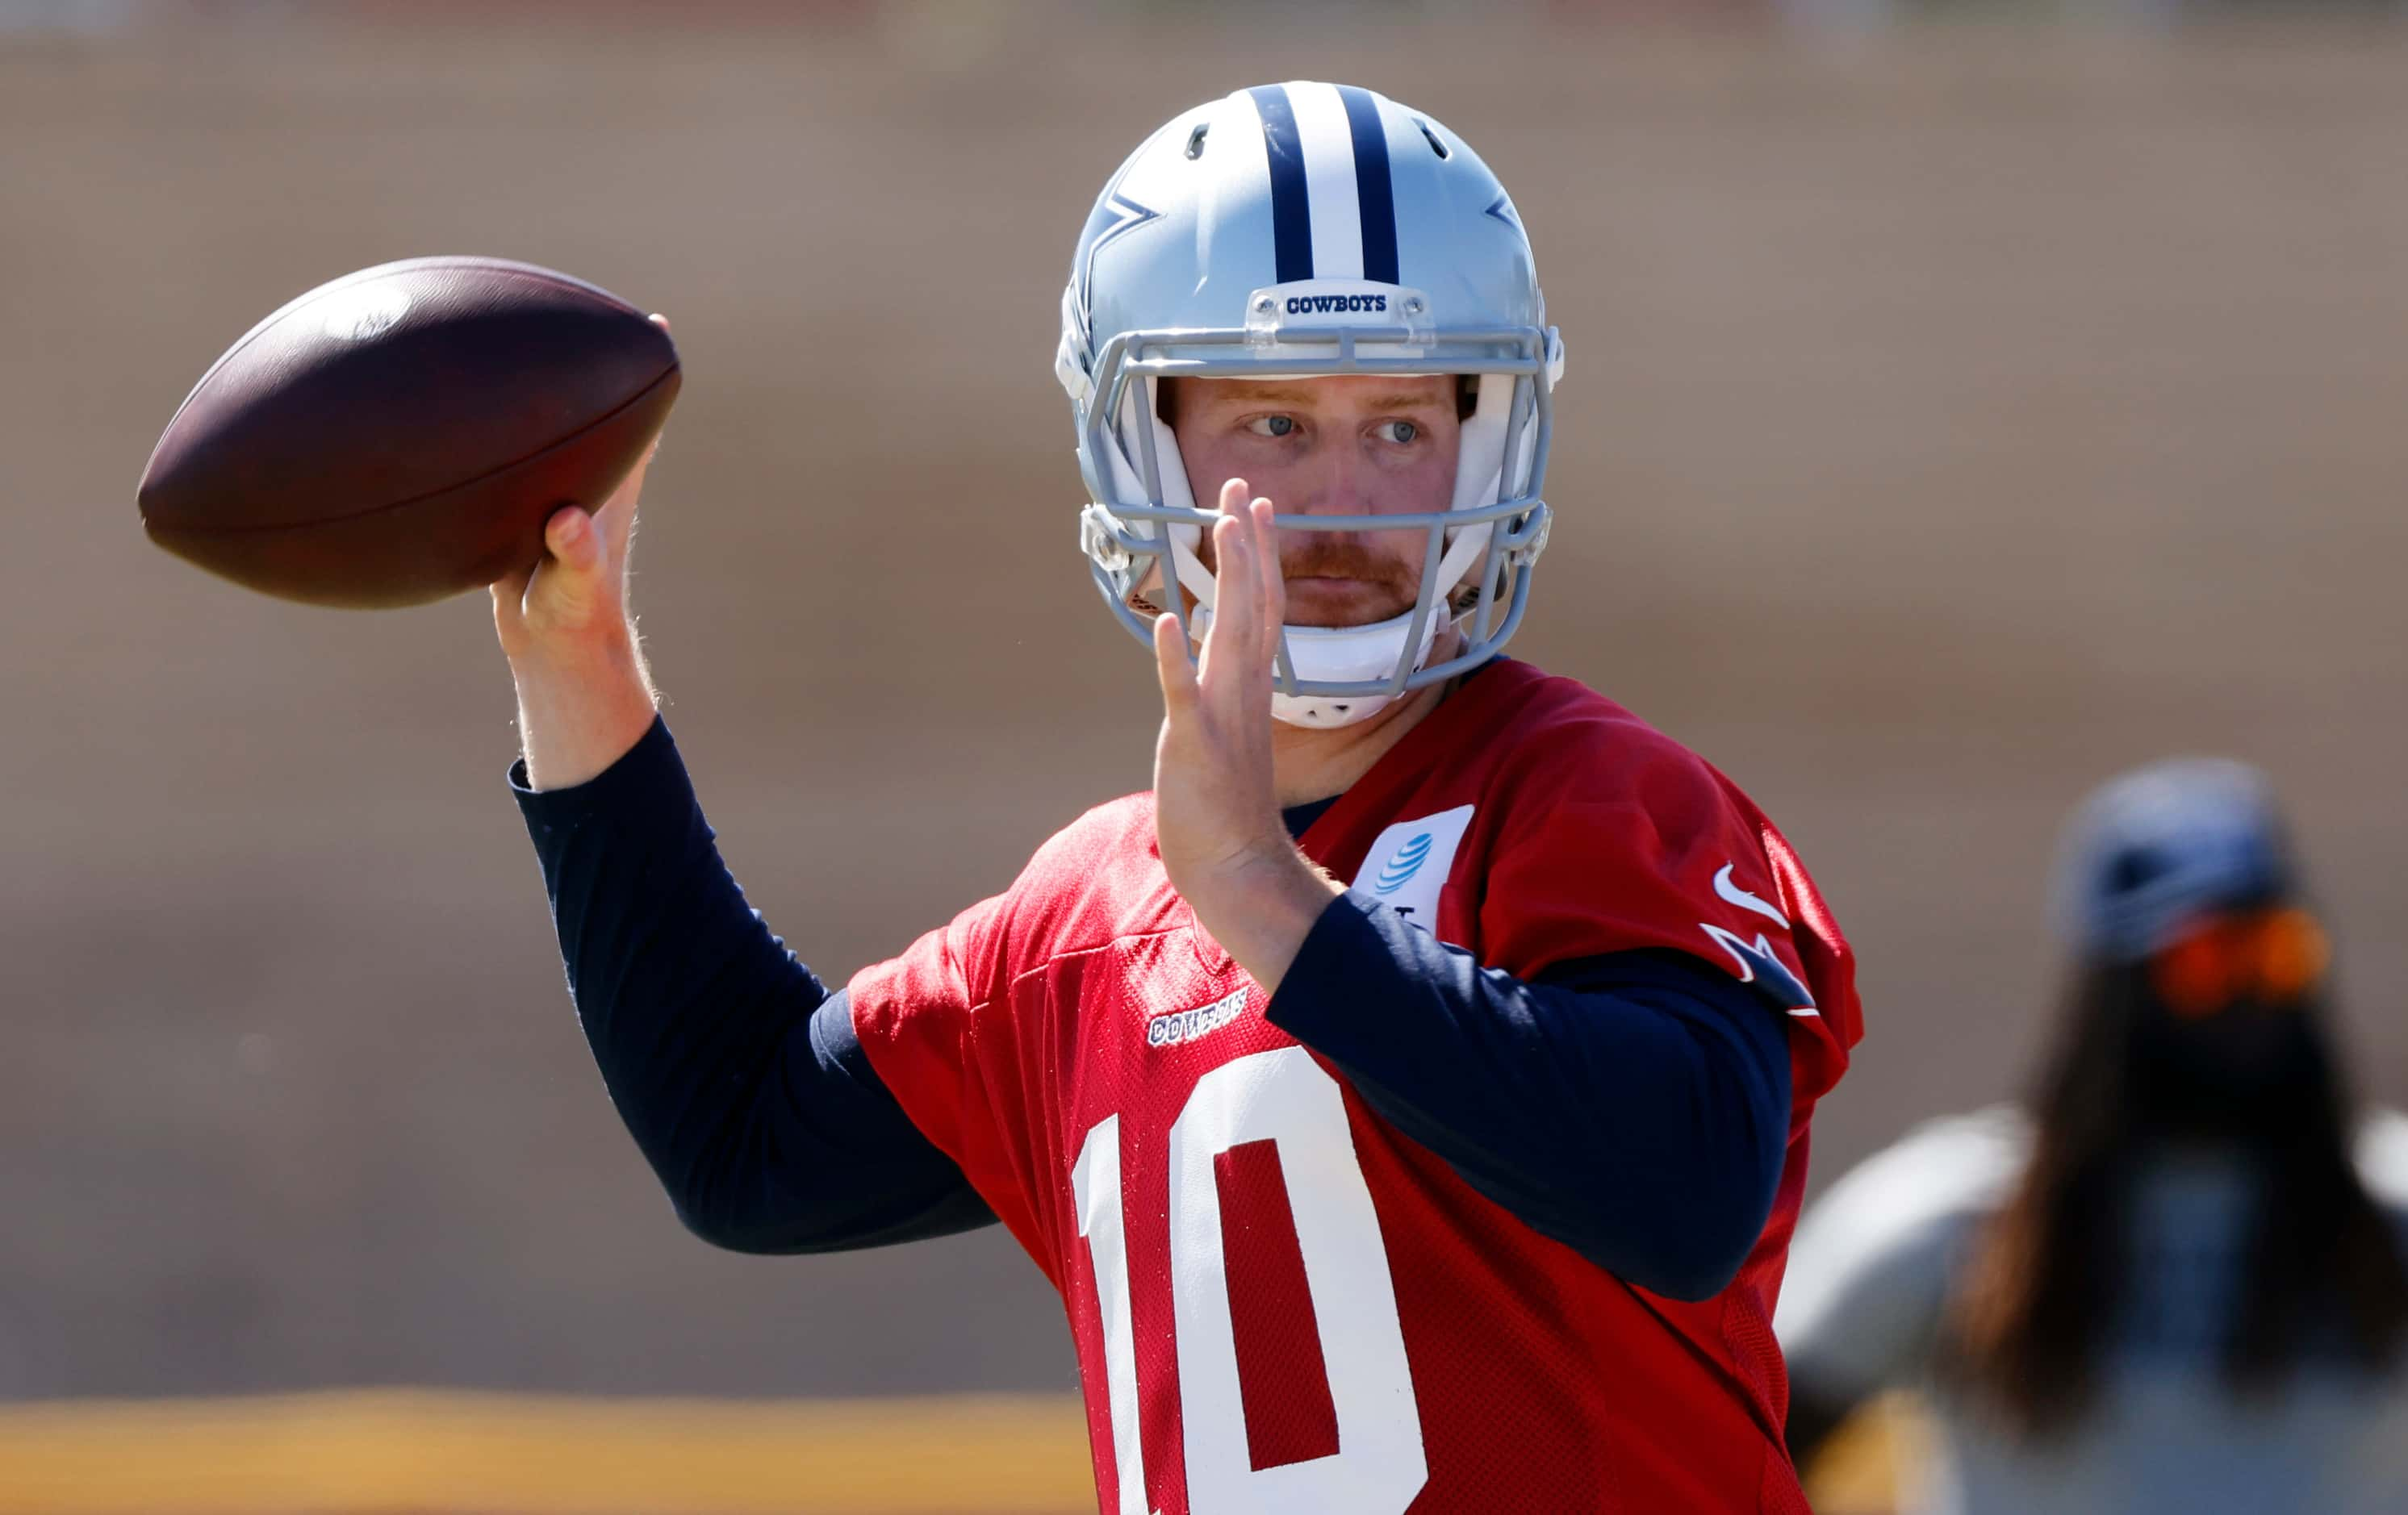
[[1273, 426], [1399, 432]]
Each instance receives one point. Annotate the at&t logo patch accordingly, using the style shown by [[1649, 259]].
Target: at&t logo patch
[[1408, 864], [1400, 869]]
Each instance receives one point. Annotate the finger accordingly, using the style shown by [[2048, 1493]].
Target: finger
[[1231, 636], [1179, 686], [1274, 582], [1260, 557], [1234, 505]]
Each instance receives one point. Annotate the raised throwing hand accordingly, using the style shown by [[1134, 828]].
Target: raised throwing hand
[[1216, 810]]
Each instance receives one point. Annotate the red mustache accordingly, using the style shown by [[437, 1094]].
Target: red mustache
[[1331, 556]]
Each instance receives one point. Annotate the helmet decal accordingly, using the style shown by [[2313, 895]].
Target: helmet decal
[[1333, 202], [1375, 193], [1128, 216], [1291, 191]]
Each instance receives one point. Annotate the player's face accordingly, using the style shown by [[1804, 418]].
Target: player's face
[[1355, 445]]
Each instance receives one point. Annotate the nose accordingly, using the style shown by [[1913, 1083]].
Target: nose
[[1336, 483]]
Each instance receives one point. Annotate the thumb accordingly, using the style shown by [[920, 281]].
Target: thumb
[[572, 543], [570, 587]]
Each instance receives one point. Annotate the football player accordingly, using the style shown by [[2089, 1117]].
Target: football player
[[2176, 1278], [1409, 1095]]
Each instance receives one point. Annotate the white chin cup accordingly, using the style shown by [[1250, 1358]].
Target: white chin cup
[[1341, 654]]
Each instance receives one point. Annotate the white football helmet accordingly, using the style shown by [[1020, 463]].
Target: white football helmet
[[1307, 230]]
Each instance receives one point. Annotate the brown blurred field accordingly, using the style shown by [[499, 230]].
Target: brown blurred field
[[390, 1451], [1951, 421]]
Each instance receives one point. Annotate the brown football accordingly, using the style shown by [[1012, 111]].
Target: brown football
[[403, 433]]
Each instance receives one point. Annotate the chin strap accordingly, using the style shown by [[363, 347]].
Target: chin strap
[[1347, 654], [1342, 654]]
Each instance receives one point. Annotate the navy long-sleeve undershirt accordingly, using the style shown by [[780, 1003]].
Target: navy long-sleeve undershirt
[[1633, 1106], [734, 1068]]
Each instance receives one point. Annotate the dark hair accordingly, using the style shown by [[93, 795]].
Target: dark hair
[[2047, 1277]]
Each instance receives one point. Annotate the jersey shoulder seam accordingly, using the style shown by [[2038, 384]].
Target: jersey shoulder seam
[[1068, 952]]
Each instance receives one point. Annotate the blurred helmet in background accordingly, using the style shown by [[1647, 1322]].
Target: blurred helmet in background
[[2179, 877], [1307, 229], [2163, 846]]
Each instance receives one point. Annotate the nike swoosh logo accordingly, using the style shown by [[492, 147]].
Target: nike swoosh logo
[[1741, 897]]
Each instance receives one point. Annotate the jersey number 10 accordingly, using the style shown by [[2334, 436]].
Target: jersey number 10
[[1284, 1097]]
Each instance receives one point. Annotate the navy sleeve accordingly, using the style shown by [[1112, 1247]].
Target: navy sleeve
[[1634, 1106], [735, 1069]]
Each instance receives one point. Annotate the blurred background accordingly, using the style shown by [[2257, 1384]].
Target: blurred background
[[1966, 401]]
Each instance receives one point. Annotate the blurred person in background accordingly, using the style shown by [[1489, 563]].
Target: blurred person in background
[[1463, 1188], [2176, 1282]]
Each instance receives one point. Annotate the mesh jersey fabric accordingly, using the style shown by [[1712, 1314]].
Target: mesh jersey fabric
[[1280, 1303]]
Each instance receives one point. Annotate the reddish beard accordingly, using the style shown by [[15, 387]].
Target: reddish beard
[[1383, 587], [1337, 555]]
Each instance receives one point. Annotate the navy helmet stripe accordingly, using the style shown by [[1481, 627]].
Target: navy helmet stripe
[[1291, 202], [1374, 192]]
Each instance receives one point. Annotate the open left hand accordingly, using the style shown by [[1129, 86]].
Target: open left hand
[[1216, 810]]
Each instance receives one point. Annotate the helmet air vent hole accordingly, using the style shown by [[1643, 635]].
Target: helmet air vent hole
[[1195, 141], [1436, 146], [1343, 709]]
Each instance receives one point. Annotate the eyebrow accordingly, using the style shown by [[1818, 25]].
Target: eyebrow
[[1257, 392]]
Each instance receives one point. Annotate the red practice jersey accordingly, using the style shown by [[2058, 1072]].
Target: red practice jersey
[[1282, 1304]]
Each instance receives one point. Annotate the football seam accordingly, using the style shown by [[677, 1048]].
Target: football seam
[[157, 527]]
